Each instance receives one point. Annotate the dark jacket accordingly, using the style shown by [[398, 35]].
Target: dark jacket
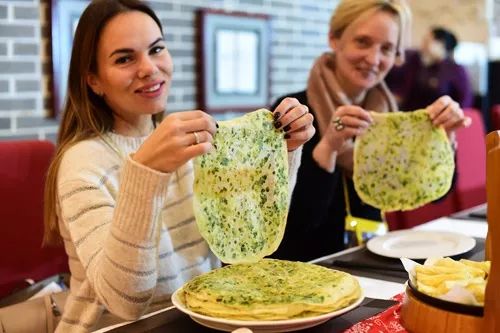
[[315, 225]]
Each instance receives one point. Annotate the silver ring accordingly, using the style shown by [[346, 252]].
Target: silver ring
[[339, 125], [196, 137]]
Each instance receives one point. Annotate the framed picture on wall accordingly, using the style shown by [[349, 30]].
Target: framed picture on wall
[[64, 16], [233, 61]]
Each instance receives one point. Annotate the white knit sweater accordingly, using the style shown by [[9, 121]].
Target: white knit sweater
[[129, 231]]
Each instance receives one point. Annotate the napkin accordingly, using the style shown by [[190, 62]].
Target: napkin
[[380, 289], [387, 321]]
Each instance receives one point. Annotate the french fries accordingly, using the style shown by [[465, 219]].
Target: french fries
[[444, 274]]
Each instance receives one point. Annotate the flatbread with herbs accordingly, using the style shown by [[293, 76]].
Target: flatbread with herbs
[[402, 162], [270, 290], [241, 189]]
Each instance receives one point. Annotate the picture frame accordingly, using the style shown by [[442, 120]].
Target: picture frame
[[64, 16], [233, 61]]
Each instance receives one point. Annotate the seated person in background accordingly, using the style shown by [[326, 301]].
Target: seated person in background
[[119, 191], [366, 38], [430, 73]]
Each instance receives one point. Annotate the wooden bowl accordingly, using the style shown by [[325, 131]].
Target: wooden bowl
[[419, 316]]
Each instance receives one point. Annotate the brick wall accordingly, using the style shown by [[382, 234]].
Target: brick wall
[[299, 34], [22, 91]]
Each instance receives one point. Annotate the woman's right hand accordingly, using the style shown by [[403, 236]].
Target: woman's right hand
[[347, 122], [180, 137]]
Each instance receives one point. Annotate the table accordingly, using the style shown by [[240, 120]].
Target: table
[[358, 261], [474, 213]]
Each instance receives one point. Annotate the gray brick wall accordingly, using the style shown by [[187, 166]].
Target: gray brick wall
[[21, 91], [299, 34]]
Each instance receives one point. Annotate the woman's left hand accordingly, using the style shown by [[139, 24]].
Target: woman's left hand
[[294, 118], [448, 114]]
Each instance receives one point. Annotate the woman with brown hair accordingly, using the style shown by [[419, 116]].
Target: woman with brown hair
[[119, 192], [366, 37]]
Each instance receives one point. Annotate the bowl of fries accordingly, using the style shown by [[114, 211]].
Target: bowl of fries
[[452, 285]]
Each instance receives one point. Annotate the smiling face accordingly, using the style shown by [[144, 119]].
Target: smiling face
[[134, 67], [365, 51]]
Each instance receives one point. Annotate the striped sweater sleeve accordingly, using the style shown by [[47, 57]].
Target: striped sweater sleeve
[[115, 234]]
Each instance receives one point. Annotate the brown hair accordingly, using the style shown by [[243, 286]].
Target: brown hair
[[349, 10], [85, 113]]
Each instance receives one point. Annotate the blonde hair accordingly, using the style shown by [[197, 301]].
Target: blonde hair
[[85, 113], [349, 10]]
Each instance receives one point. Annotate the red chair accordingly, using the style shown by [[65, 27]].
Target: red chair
[[394, 220], [429, 212], [23, 169], [470, 187], [495, 117]]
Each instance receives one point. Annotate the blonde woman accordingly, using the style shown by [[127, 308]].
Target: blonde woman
[[119, 192], [366, 37]]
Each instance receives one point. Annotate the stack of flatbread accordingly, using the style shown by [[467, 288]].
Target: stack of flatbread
[[270, 290], [402, 161]]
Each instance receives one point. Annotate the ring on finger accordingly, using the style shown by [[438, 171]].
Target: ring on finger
[[196, 138], [339, 125]]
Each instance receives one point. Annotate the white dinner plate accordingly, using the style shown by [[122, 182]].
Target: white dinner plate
[[420, 244], [257, 326]]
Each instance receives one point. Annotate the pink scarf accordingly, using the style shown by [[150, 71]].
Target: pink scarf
[[325, 95]]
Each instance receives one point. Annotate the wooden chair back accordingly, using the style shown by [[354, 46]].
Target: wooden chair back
[[492, 297]]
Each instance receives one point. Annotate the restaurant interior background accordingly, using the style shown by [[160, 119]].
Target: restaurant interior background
[[298, 33]]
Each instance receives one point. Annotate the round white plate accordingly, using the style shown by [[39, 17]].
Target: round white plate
[[257, 326], [420, 244]]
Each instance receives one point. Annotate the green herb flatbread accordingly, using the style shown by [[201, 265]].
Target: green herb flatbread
[[270, 290], [241, 189], [402, 162]]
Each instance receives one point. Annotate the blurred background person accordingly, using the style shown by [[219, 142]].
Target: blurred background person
[[430, 73]]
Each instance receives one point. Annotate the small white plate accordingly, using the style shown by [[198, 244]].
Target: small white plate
[[420, 244], [257, 326]]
